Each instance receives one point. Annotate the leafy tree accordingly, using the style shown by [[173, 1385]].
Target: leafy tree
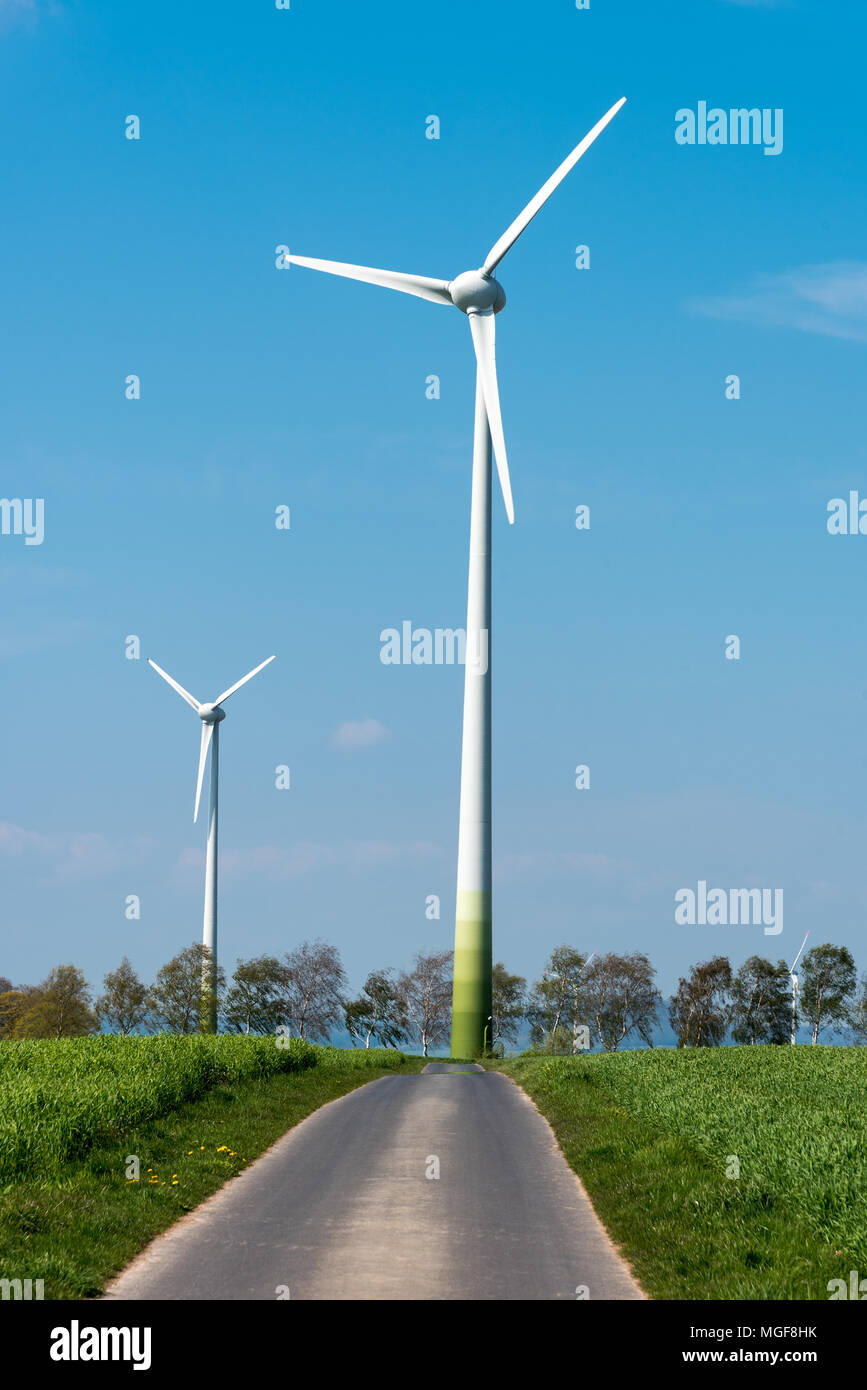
[[256, 1001], [177, 995], [13, 1002], [379, 1012], [426, 994], [620, 996], [313, 995], [856, 1014], [5, 985], [761, 1008], [826, 986], [509, 1005], [698, 1012], [555, 1006], [123, 1006], [58, 1008]]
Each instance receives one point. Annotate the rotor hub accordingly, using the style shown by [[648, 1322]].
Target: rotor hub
[[211, 714], [475, 292]]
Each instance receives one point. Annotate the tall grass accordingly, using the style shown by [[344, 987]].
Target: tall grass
[[795, 1118], [58, 1097]]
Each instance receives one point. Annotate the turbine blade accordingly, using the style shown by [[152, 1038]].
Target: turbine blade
[[510, 236], [185, 694], [798, 956], [243, 681], [421, 285], [484, 342], [207, 730]]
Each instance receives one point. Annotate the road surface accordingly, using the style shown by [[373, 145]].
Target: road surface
[[444, 1185]]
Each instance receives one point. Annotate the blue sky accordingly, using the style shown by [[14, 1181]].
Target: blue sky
[[262, 387]]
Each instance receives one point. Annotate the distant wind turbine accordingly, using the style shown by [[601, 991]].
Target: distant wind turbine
[[478, 295], [211, 716], [796, 993]]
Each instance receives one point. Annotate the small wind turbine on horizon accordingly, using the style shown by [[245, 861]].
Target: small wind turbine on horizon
[[796, 992], [211, 716], [480, 296]]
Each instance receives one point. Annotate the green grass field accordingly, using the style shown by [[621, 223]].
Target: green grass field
[[194, 1110], [653, 1134], [60, 1096], [657, 1137]]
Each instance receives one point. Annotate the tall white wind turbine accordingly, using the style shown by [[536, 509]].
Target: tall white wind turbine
[[478, 295], [211, 716], [796, 993]]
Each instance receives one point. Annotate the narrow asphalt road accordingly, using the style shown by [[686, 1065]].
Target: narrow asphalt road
[[443, 1185]]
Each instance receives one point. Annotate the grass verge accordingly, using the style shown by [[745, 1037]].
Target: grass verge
[[650, 1135], [77, 1228]]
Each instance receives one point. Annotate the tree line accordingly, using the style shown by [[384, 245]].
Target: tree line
[[303, 992], [605, 1000], [579, 1002]]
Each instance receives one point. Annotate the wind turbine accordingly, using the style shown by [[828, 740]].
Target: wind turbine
[[478, 295], [211, 716], [795, 988]]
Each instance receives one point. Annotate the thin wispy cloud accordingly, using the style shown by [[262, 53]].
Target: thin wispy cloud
[[830, 299], [21, 9], [24, 581], [71, 854], [25, 14], [293, 861], [46, 637], [544, 863], [361, 733], [29, 7]]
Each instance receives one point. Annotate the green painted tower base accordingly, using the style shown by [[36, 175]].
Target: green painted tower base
[[471, 1001]]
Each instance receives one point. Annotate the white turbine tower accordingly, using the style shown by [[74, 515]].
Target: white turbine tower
[[478, 295], [796, 993], [211, 715]]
